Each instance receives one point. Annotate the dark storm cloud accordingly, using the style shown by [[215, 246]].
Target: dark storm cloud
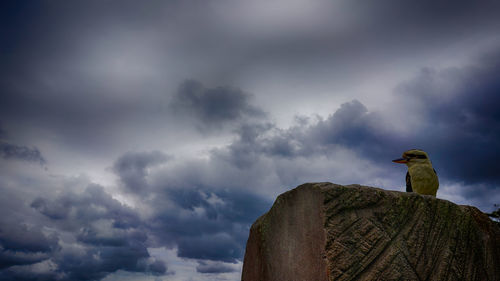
[[338, 33], [218, 247], [351, 126], [460, 118], [58, 75], [54, 210], [214, 107], [51, 77], [424, 20], [132, 257], [94, 235], [209, 267], [446, 12], [458, 124], [23, 245], [132, 168], [111, 236], [22, 238], [12, 151], [15, 275], [204, 223], [208, 223], [12, 258], [74, 210], [3, 134], [248, 147], [74, 74]]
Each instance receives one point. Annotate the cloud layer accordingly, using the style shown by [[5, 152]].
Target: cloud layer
[[130, 133]]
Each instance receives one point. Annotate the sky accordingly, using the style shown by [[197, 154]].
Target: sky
[[139, 140]]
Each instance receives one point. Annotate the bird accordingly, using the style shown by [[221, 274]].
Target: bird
[[421, 176]]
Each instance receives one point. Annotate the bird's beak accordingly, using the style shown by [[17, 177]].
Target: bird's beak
[[400, 160]]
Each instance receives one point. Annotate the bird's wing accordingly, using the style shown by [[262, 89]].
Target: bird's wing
[[435, 172], [408, 182]]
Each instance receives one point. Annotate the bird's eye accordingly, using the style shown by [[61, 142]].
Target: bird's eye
[[410, 155], [421, 157]]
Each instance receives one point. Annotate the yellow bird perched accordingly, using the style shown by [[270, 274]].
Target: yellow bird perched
[[421, 177]]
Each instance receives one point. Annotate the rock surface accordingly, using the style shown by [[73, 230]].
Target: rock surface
[[324, 231]]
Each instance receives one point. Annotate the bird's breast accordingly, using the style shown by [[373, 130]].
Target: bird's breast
[[423, 179]]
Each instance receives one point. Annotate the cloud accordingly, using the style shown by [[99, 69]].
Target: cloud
[[213, 107], [458, 120], [108, 236], [198, 209], [449, 112], [351, 126], [84, 91], [201, 210], [248, 147], [213, 267], [23, 245], [12, 151], [42, 271], [22, 238], [84, 82], [3, 134], [72, 211], [218, 247], [132, 168], [206, 223]]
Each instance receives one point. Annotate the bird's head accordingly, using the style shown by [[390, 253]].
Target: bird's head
[[412, 157]]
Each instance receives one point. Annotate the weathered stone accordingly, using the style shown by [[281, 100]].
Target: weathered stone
[[324, 231]]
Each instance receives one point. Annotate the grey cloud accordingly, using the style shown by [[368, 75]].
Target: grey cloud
[[213, 107], [214, 226], [12, 151], [118, 238], [210, 267], [72, 211], [16, 274], [104, 228], [55, 76], [133, 257], [351, 126], [54, 210], [230, 205], [215, 223], [340, 33], [247, 148], [3, 134], [23, 238], [23, 245], [54, 58], [132, 168], [219, 247], [461, 123], [458, 125], [10, 258], [62, 84], [157, 267]]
